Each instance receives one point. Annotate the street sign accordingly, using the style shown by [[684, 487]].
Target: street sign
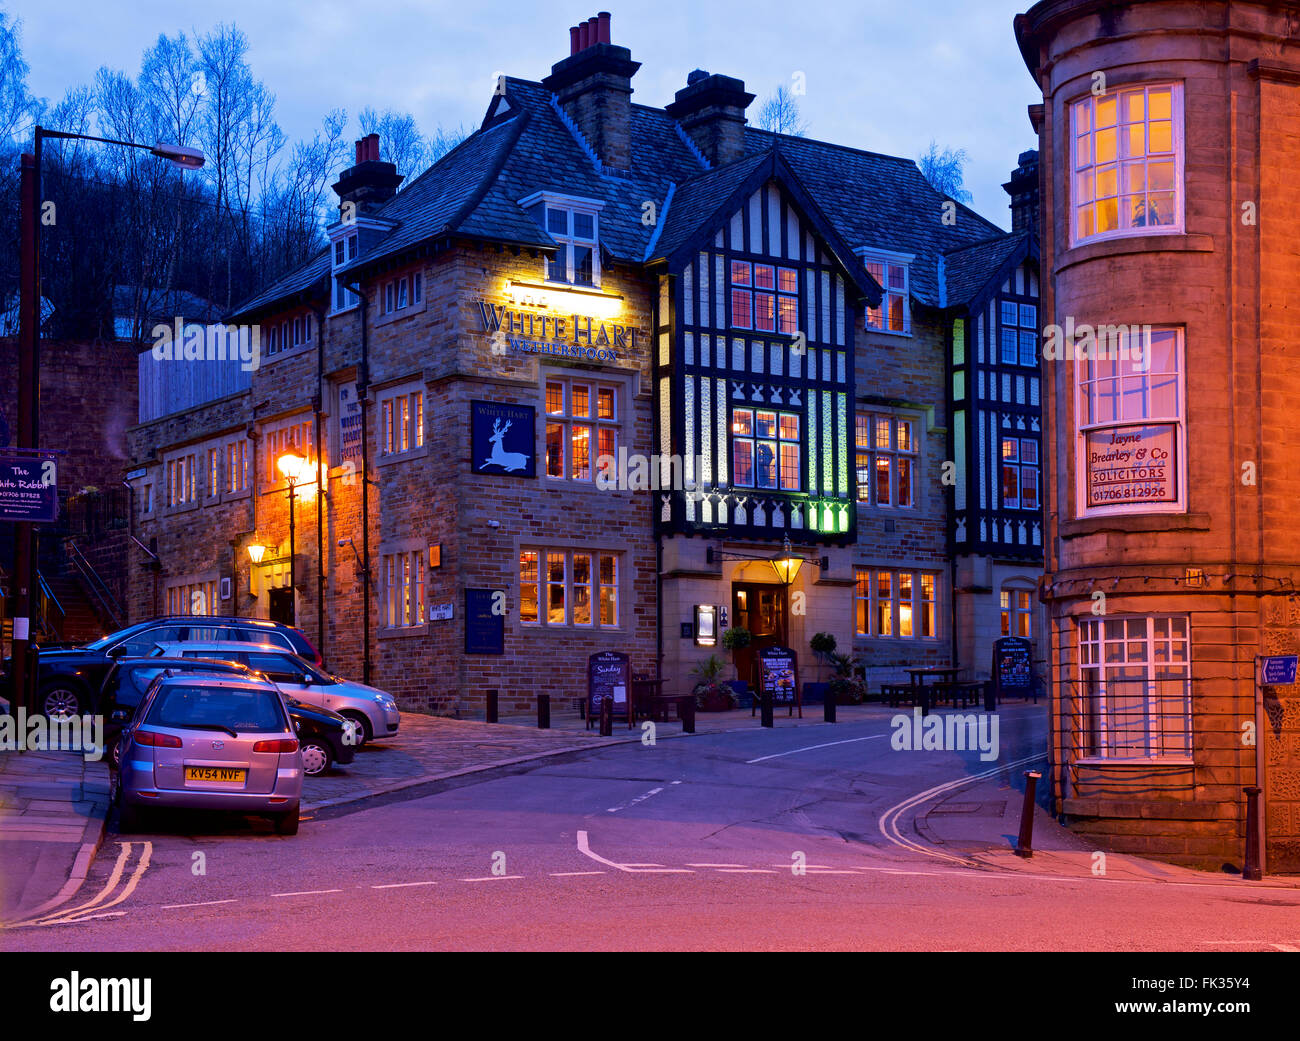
[[29, 490], [1280, 670]]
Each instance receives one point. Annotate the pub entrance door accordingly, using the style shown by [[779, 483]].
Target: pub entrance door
[[280, 608], [759, 607]]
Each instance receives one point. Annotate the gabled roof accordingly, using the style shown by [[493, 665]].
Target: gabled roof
[[312, 277], [971, 272]]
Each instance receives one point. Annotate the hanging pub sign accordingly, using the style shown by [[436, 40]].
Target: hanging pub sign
[[349, 424], [485, 621], [1131, 465], [29, 489], [502, 439], [1013, 669], [609, 675], [778, 674]]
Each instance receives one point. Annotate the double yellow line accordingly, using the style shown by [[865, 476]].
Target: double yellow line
[[120, 885]]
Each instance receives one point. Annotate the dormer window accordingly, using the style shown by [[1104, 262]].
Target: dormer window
[[574, 224], [891, 270], [346, 248]]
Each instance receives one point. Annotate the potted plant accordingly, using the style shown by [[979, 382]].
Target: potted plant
[[735, 639], [711, 694], [848, 688], [823, 648]]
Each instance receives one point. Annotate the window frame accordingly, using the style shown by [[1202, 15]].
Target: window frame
[[892, 454], [542, 582], [566, 421], [886, 259], [922, 611], [411, 397], [779, 438], [404, 596], [538, 205]]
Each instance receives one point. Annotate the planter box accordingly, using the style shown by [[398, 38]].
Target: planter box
[[741, 689], [814, 693]]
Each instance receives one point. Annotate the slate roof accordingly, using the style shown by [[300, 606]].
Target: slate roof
[[969, 269], [526, 144]]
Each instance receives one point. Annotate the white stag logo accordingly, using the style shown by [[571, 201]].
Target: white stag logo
[[508, 461]]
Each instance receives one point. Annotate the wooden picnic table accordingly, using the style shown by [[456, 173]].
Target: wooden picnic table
[[942, 675]]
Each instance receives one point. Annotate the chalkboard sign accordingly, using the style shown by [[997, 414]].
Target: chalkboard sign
[[609, 675], [1013, 671], [778, 673], [485, 621]]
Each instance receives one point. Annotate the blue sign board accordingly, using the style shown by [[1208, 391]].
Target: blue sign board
[[1279, 671], [485, 621], [29, 489], [502, 439]]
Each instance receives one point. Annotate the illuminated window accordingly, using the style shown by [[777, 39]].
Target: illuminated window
[[237, 466], [765, 449], [1127, 162], [288, 436], [181, 480], [401, 421], [764, 297], [577, 587], [581, 427], [891, 270], [1020, 473], [193, 598], [1016, 611], [886, 460], [403, 588], [895, 604], [574, 225]]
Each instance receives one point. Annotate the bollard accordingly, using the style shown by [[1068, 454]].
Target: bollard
[[606, 717], [990, 697], [925, 700], [828, 704], [686, 712], [1025, 843], [766, 705], [1252, 872], [543, 712], [491, 706]]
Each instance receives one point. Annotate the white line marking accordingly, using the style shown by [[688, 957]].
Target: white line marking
[[86, 918], [571, 874], [490, 878], [746, 871], [810, 748], [633, 802], [1284, 947], [113, 878], [403, 885], [204, 903], [309, 892], [585, 849], [722, 865]]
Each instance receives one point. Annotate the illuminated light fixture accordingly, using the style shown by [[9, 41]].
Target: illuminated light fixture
[[786, 564], [256, 552], [567, 299], [291, 465]]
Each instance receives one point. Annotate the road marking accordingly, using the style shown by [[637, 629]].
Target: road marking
[[203, 903], [100, 903], [490, 878], [633, 802], [585, 849], [810, 748], [720, 865], [403, 885], [310, 892], [890, 818], [571, 874], [746, 871], [1284, 947], [87, 918], [114, 876]]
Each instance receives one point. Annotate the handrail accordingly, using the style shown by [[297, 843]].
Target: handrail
[[45, 599], [96, 586], [150, 553]]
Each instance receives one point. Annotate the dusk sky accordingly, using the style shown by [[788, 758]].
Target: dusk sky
[[882, 76]]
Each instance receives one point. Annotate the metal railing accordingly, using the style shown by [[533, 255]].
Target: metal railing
[[105, 603], [49, 612]]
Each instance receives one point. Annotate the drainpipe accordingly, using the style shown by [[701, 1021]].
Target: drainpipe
[[363, 390], [322, 498]]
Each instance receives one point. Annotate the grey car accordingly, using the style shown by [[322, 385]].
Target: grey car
[[211, 742], [373, 711]]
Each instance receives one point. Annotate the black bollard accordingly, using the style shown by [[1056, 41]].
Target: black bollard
[[828, 705], [1252, 872], [990, 697], [491, 706], [543, 712], [925, 700], [606, 717], [1025, 843], [766, 705], [686, 711]]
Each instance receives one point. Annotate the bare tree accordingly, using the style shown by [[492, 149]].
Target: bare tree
[[18, 109], [944, 170], [172, 89], [443, 140], [779, 113]]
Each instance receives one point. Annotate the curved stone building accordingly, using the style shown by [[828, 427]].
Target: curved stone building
[[1169, 141]]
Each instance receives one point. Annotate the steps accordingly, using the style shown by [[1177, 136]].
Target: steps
[[80, 623]]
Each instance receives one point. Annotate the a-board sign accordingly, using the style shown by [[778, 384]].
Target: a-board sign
[[778, 673], [609, 675], [1013, 666], [485, 621]]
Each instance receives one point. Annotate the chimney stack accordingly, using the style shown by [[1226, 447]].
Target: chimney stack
[[711, 109], [1023, 189], [594, 88], [370, 182]]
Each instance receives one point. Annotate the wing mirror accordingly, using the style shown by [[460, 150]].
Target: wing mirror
[[119, 715], [308, 679], [118, 651]]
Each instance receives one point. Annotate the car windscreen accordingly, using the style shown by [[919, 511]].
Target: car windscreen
[[241, 709]]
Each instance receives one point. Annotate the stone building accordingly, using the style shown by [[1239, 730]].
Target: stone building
[[573, 388], [1167, 137]]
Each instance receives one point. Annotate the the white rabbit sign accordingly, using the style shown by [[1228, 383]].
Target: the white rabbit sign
[[503, 439]]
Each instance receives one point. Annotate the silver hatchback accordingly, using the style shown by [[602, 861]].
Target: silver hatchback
[[211, 742]]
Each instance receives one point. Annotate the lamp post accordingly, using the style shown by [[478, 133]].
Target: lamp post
[[292, 465], [29, 373]]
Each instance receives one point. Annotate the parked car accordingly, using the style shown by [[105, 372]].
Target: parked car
[[327, 738], [67, 679], [210, 742], [373, 710]]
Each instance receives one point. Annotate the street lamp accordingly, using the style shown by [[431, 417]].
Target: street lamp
[[29, 372], [293, 467]]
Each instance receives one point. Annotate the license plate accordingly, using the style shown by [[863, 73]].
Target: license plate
[[215, 773]]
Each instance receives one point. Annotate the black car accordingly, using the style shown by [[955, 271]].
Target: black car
[[66, 680], [323, 736]]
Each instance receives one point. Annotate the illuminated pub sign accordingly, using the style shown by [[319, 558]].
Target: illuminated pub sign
[[1131, 465], [502, 439], [582, 337]]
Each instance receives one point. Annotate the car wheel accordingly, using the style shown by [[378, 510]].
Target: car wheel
[[115, 753], [59, 699], [316, 758], [364, 733], [287, 823]]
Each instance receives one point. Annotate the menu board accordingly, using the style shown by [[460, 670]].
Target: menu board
[[778, 673], [1013, 671], [609, 675], [1131, 465]]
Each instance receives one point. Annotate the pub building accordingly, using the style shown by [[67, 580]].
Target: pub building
[[1167, 145], [611, 377]]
